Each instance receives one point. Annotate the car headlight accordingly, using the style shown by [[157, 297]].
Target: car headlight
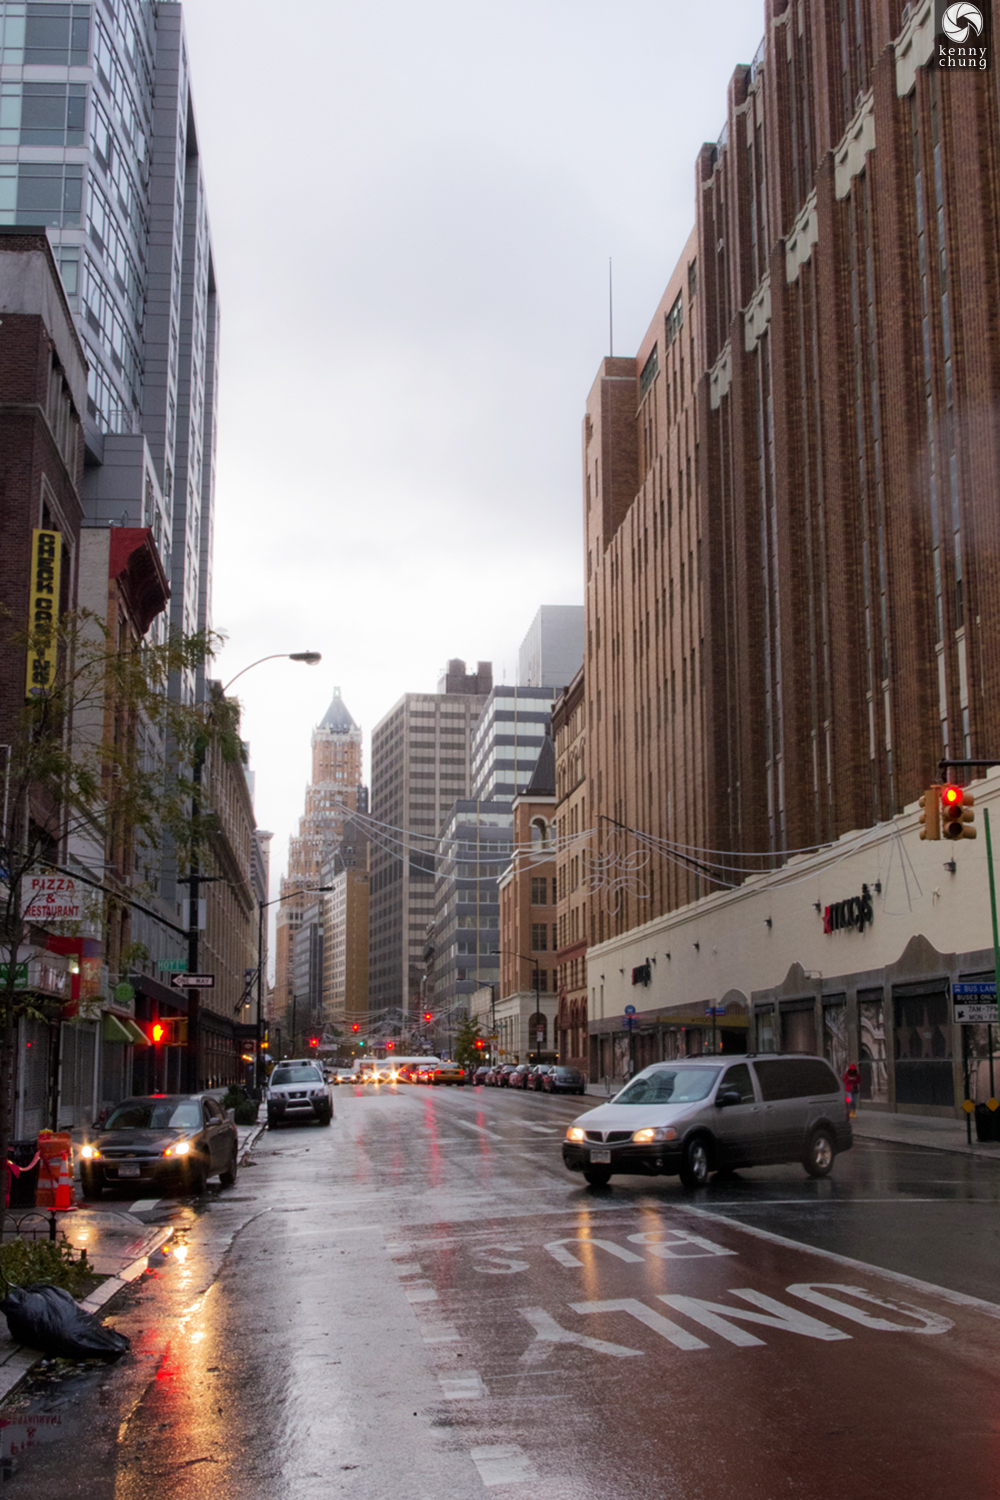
[[574, 1133], [179, 1148], [89, 1153], [651, 1133]]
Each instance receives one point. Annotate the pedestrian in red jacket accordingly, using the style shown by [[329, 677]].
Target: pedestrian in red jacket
[[852, 1085]]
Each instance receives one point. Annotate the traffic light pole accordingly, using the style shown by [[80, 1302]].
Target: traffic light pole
[[996, 935]]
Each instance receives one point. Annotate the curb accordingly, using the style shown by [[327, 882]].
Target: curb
[[18, 1364], [954, 1149], [251, 1141]]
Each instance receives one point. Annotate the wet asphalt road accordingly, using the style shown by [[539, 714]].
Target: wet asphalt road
[[420, 1302]]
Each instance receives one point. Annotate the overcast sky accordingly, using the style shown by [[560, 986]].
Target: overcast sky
[[412, 209]]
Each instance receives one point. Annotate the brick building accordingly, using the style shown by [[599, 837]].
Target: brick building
[[569, 735], [790, 530], [526, 1006]]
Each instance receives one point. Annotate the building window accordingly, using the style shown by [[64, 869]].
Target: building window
[[539, 937], [42, 114], [675, 318], [40, 192], [539, 890]]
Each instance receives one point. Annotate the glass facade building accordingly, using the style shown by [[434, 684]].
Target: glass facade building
[[98, 144]]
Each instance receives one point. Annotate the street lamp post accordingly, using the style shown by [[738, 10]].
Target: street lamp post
[[195, 878]]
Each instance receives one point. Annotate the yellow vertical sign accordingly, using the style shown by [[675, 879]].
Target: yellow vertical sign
[[43, 611]]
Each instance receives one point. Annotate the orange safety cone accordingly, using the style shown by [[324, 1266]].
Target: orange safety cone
[[65, 1196], [45, 1192]]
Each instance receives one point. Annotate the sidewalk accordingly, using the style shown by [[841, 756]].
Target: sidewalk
[[919, 1130], [118, 1245]]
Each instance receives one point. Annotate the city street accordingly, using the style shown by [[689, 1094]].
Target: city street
[[420, 1301]]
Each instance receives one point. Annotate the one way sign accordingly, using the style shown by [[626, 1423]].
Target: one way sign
[[193, 981]]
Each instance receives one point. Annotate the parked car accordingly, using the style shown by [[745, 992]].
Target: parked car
[[506, 1073], [296, 1090], [481, 1074], [536, 1078], [518, 1077], [161, 1141], [698, 1115], [560, 1080]]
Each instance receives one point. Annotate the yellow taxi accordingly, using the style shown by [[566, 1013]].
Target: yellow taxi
[[447, 1072]]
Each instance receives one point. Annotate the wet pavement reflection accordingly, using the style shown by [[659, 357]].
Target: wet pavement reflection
[[420, 1301]]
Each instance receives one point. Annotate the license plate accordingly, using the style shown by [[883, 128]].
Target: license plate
[[602, 1156], [128, 1169]]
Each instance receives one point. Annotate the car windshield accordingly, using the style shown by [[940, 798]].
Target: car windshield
[[306, 1073], [155, 1114], [669, 1086]]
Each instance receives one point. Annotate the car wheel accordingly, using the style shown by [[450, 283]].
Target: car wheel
[[819, 1154], [326, 1117], [597, 1176], [90, 1183], [196, 1178], [228, 1177], [695, 1163]]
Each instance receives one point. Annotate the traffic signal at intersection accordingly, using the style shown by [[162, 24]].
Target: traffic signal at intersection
[[957, 815], [930, 817]]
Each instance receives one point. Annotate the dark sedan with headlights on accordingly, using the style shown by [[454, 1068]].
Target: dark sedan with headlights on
[[166, 1141]]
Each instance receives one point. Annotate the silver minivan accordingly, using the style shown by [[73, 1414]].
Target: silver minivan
[[700, 1115]]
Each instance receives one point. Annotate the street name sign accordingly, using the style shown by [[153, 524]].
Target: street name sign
[[172, 965], [192, 981]]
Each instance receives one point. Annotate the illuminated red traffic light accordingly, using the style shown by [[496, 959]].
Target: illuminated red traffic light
[[314, 1041], [428, 1016]]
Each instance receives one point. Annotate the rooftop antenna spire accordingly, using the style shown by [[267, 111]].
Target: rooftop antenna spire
[[611, 313]]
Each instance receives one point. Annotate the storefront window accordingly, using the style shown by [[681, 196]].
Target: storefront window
[[764, 1022], [835, 1036], [923, 1047], [873, 1059]]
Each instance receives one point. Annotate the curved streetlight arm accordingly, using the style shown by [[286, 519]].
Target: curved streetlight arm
[[309, 657]]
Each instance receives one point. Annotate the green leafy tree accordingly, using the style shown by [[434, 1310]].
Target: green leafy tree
[[97, 774], [467, 1054]]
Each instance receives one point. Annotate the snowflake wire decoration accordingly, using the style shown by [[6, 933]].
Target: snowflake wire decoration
[[615, 871]]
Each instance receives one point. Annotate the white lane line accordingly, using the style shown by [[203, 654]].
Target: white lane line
[[480, 1129], [503, 1463], [468, 1387], [142, 1205], [439, 1333], [420, 1294], [409, 1270], [958, 1299], [545, 1129]]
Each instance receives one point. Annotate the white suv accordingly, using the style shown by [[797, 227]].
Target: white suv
[[297, 1090]]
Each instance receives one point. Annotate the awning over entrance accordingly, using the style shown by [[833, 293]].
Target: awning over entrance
[[113, 1030]]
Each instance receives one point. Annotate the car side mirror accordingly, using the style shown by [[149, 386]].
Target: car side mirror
[[727, 1096]]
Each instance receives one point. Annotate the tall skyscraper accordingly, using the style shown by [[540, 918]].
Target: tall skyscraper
[[551, 653], [421, 765], [335, 791], [98, 142]]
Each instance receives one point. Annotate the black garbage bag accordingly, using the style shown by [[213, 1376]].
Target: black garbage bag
[[48, 1319]]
